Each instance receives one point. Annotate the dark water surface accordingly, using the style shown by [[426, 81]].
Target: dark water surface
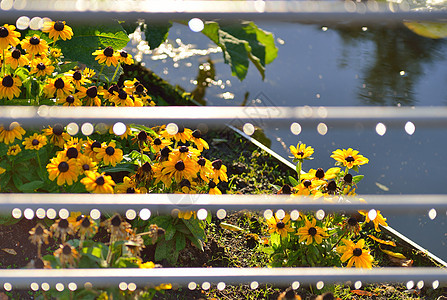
[[341, 66]]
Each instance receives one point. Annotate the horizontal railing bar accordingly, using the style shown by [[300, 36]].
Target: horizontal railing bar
[[165, 203], [183, 276], [343, 116], [290, 11]]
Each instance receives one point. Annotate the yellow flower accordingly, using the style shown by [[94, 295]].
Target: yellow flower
[[125, 57], [280, 226], [64, 169], [128, 186], [57, 30], [183, 134], [70, 100], [8, 135], [205, 169], [67, 254], [309, 232], [89, 73], [34, 45], [59, 86], [10, 87], [196, 138], [8, 36], [146, 265], [320, 174], [301, 151], [355, 254], [349, 158], [158, 144], [15, 59], [187, 214], [98, 183], [124, 135], [89, 147], [56, 135], [41, 67], [219, 171], [14, 150], [179, 169], [35, 142], [107, 56], [378, 220], [109, 154], [77, 78], [213, 189], [55, 53], [91, 95], [163, 286], [85, 163], [121, 98]]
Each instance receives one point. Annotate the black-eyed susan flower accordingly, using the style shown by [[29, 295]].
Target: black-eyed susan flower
[[118, 228], [309, 187], [77, 78], [109, 154], [213, 190], [8, 36], [107, 56], [321, 174], [130, 86], [58, 30], [204, 168], [15, 59], [378, 220], [87, 228], [88, 73], [128, 186], [89, 147], [146, 265], [35, 142], [85, 163], [55, 53], [61, 228], [98, 183], [355, 254], [34, 45], [56, 135], [124, 57], [70, 100], [10, 133], [196, 138], [121, 98], [13, 150], [10, 86], [158, 144], [109, 93], [60, 87], [183, 134], [39, 263], [41, 67], [122, 136], [179, 169], [301, 151], [144, 173], [349, 158], [64, 169], [219, 171], [310, 232], [67, 255], [352, 224], [39, 235], [184, 153], [280, 226], [187, 214], [90, 95]]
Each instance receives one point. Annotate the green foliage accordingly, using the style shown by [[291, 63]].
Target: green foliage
[[156, 33]]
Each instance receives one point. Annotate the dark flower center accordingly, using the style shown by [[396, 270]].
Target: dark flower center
[[39, 230], [110, 150], [59, 26], [59, 83], [352, 221], [85, 167], [41, 66], [165, 151], [3, 32], [181, 129], [140, 88], [92, 92], [123, 54], [122, 95], [16, 54], [63, 167], [217, 164], [130, 190], [113, 88], [79, 218], [70, 99], [349, 158], [280, 225], [39, 264], [58, 129], [201, 161], [307, 183], [185, 182], [319, 173], [290, 294], [312, 231], [146, 167], [301, 153], [63, 224], [116, 221], [357, 252], [197, 134], [72, 152], [108, 51], [212, 184], [77, 75], [34, 40], [180, 165], [8, 81], [100, 180], [95, 144], [157, 142], [332, 186], [286, 189], [348, 178], [183, 149], [85, 223], [66, 250], [35, 142], [142, 136]]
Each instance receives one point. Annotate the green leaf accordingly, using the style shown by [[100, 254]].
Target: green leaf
[[180, 242], [357, 178], [130, 26], [125, 262], [120, 168], [87, 39], [161, 251], [7, 220], [275, 239], [198, 243], [195, 228], [293, 181], [30, 187], [156, 33], [170, 232]]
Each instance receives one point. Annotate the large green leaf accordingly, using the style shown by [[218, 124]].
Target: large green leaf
[[87, 39], [156, 33]]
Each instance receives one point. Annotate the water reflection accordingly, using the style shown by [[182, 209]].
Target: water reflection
[[395, 62]]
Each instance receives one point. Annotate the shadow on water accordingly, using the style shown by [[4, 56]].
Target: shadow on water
[[396, 51]]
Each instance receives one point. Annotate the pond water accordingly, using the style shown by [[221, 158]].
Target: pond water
[[321, 65]]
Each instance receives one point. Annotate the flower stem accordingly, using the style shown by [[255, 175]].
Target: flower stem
[[3, 63], [298, 169], [344, 234], [99, 75], [40, 164], [116, 72]]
